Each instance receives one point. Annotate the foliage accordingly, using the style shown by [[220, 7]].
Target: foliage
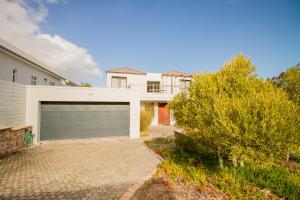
[[85, 84], [144, 133], [146, 116], [248, 182], [161, 146], [238, 114], [189, 173], [145, 121], [149, 107], [290, 81]]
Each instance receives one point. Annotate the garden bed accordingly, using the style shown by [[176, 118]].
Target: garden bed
[[186, 175]]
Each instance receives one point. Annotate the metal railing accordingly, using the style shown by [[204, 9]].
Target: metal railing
[[162, 89]]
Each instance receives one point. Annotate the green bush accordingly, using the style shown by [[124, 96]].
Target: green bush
[[189, 173], [276, 179], [238, 114]]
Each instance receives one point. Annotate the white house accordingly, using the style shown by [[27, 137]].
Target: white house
[[154, 88], [19, 67], [28, 97]]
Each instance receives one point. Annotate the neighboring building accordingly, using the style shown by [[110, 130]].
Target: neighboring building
[[19, 67], [154, 88]]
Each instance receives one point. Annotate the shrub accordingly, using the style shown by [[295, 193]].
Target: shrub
[[237, 114], [274, 178], [189, 173], [145, 121]]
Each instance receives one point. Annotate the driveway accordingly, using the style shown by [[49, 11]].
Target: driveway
[[79, 169], [161, 131]]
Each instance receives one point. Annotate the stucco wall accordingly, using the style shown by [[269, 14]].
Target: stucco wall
[[24, 71], [134, 81], [37, 94], [12, 103], [139, 82]]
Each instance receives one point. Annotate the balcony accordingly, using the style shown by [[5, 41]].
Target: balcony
[[158, 89]]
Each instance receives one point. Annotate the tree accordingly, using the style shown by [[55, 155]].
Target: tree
[[290, 82], [85, 84], [237, 114]]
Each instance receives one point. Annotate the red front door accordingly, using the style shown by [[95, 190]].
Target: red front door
[[163, 114]]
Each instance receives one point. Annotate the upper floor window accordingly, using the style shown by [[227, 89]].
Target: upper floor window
[[118, 82], [153, 86], [184, 84], [51, 83], [15, 75], [33, 80]]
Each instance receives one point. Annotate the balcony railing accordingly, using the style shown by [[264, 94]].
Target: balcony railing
[[162, 89]]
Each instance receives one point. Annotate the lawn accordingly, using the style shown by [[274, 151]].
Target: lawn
[[281, 180]]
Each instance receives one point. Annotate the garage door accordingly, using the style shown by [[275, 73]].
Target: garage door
[[83, 120]]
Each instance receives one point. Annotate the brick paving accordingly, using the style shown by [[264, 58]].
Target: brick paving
[[161, 131], [79, 169]]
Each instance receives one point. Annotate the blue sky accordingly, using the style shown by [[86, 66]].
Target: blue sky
[[184, 35]]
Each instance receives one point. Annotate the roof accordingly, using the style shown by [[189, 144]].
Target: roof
[[176, 73], [126, 70], [5, 46]]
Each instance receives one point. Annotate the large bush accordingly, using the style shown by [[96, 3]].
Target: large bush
[[235, 113]]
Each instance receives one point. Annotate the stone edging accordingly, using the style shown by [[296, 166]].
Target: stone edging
[[130, 192]]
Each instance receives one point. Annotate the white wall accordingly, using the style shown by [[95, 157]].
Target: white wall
[[12, 104], [37, 94], [24, 71], [139, 82], [153, 77], [134, 81]]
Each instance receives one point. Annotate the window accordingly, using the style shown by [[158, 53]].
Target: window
[[33, 80], [153, 86], [184, 84], [118, 82], [15, 75], [51, 83], [45, 80]]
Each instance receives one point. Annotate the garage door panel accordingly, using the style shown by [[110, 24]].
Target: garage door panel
[[69, 120]]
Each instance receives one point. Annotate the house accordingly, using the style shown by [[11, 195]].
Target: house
[[63, 112], [18, 67], [154, 88]]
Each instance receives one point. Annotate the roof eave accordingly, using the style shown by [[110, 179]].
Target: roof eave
[[142, 73], [34, 64]]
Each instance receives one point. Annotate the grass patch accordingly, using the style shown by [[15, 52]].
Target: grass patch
[[248, 182], [295, 157]]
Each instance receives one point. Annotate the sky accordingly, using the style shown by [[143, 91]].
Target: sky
[[82, 39]]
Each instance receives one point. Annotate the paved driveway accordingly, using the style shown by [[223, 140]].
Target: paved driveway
[[161, 131], [82, 169]]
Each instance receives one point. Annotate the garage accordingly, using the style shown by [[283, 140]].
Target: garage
[[68, 120]]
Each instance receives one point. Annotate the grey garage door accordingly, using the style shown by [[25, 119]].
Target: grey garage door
[[66, 120]]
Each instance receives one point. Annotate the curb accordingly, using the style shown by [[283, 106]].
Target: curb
[[130, 192]]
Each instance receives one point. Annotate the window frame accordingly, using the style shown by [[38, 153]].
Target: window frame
[[186, 86], [15, 73], [33, 80], [119, 78], [154, 88]]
